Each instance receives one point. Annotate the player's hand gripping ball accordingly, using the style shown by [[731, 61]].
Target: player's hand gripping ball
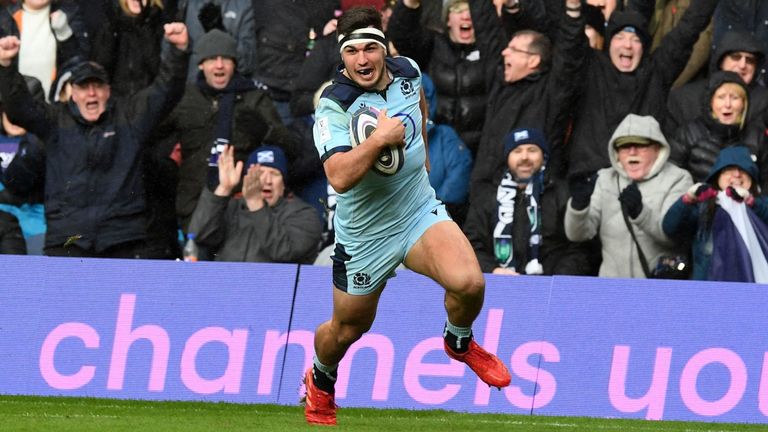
[[361, 126]]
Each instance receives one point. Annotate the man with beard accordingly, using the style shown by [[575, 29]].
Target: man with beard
[[519, 229]]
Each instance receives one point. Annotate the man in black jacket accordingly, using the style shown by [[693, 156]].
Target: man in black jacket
[[518, 228], [222, 107], [737, 52], [536, 85], [94, 197], [627, 78]]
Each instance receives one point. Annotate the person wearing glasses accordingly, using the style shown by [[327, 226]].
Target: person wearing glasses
[[721, 124], [738, 52], [533, 82], [634, 193]]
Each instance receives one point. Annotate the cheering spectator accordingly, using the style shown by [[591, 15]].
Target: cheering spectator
[[628, 78], [726, 219], [452, 60], [739, 53], [518, 229], [721, 124], [538, 86], [94, 198], [624, 204], [222, 107], [262, 225]]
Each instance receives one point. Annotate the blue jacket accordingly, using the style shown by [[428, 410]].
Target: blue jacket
[[450, 164]]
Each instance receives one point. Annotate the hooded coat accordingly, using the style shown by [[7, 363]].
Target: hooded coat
[[696, 145], [685, 222], [684, 103], [663, 184], [609, 94]]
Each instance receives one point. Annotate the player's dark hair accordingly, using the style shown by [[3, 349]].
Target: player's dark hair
[[358, 17]]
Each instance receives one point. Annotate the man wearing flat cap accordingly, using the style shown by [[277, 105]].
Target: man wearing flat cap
[[519, 228], [633, 194], [94, 196], [220, 108]]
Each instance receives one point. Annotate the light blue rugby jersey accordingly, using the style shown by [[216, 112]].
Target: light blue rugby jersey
[[377, 206]]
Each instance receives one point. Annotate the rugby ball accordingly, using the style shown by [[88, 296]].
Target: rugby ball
[[361, 126]]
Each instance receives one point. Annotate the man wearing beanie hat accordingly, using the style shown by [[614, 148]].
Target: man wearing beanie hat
[[624, 205], [221, 107], [518, 228], [261, 224], [94, 196], [628, 78]]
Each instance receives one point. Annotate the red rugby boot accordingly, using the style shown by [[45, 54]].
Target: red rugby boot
[[319, 406], [487, 366]]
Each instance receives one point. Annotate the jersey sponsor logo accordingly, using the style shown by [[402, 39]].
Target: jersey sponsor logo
[[323, 129]]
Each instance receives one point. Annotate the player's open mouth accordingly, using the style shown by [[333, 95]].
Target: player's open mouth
[[365, 72]]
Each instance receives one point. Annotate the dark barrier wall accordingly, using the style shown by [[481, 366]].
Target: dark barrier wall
[[219, 331]]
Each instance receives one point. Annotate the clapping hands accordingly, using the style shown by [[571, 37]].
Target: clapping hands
[[229, 172]]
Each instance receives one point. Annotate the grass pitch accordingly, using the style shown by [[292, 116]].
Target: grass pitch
[[30, 413]]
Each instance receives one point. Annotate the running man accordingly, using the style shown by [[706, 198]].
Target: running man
[[383, 221]]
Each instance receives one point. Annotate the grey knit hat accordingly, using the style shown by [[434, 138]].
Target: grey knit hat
[[215, 43]]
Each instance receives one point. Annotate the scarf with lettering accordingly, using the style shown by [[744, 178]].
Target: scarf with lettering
[[506, 196]]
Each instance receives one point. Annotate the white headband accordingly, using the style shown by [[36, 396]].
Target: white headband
[[363, 35]]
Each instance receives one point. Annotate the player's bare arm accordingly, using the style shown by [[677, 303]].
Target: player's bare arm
[[344, 170]]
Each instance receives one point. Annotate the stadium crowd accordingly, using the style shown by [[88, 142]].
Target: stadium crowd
[[620, 138]]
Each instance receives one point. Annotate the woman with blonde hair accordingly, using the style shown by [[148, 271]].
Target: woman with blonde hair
[[721, 124]]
